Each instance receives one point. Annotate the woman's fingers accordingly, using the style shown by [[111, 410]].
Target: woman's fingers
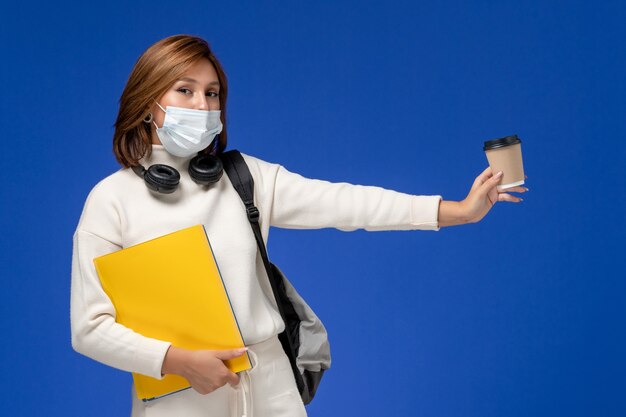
[[488, 175], [509, 198], [481, 179], [490, 183], [233, 379], [229, 354]]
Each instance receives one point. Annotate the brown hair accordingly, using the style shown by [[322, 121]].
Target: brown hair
[[153, 74]]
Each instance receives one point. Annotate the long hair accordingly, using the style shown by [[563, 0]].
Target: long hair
[[156, 70]]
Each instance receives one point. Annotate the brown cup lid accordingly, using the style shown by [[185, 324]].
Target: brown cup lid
[[501, 142]]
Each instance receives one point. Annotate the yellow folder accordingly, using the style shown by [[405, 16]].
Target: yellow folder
[[170, 288]]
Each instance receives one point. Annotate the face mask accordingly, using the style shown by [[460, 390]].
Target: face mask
[[188, 131]]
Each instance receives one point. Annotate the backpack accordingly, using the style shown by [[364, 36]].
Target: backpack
[[304, 340]]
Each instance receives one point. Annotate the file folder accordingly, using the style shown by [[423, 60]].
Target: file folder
[[170, 288]]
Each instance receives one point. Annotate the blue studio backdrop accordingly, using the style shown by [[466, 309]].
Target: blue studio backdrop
[[521, 314]]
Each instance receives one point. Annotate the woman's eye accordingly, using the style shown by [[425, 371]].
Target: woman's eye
[[212, 94], [184, 90]]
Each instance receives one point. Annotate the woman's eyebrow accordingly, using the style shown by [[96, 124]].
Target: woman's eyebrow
[[191, 80]]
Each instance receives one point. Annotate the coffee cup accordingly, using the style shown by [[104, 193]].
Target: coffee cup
[[505, 154]]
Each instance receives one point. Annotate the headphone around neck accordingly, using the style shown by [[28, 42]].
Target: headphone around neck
[[204, 169]]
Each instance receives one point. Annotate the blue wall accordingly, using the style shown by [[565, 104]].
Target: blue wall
[[522, 314]]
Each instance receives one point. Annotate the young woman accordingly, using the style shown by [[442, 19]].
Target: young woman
[[173, 108]]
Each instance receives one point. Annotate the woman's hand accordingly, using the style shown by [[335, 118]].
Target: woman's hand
[[204, 369], [484, 194], [482, 197]]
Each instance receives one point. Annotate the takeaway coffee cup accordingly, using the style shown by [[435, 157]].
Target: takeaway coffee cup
[[505, 154]]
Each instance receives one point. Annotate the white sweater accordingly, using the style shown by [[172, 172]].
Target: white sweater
[[121, 211]]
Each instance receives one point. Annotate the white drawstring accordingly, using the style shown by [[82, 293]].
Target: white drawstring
[[245, 384]]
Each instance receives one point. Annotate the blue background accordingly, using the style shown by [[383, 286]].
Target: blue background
[[522, 314]]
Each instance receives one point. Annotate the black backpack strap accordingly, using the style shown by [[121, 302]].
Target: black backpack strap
[[239, 174]]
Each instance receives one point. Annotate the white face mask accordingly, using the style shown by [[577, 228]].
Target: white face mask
[[188, 131]]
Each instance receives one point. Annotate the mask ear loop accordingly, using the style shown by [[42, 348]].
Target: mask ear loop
[[157, 103]]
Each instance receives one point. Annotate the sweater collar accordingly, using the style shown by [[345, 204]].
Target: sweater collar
[[161, 156]]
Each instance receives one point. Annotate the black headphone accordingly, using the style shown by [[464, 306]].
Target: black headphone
[[204, 169]]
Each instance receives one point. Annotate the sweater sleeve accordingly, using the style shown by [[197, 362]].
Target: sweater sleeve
[[302, 203], [92, 315]]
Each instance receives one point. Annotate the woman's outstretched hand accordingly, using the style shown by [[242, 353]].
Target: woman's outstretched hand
[[482, 197]]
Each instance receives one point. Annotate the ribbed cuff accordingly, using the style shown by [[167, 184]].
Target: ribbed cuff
[[425, 212], [149, 357]]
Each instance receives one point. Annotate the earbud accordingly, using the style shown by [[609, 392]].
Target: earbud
[[203, 169]]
